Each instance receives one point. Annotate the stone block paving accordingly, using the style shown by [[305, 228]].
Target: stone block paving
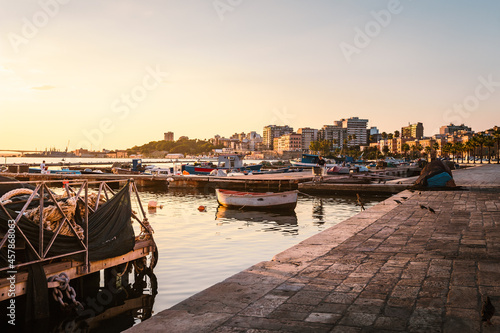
[[406, 270]]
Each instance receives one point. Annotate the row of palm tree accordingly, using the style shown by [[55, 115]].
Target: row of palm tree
[[472, 149]]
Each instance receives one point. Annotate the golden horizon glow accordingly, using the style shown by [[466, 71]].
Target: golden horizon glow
[[121, 73]]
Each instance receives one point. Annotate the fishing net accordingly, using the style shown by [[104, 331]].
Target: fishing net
[[110, 230]]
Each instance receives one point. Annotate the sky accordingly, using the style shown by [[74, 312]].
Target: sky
[[118, 73]]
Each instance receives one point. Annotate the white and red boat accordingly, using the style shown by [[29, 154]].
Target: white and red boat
[[252, 200]]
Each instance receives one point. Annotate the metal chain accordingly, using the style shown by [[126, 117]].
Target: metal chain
[[63, 280]]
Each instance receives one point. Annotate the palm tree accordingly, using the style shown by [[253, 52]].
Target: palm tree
[[489, 143], [446, 148], [405, 147], [435, 146], [385, 150], [396, 134], [474, 145], [428, 150], [416, 148], [458, 147], [390, 136], [468, 147], [480, 139], [384, 135], [496, 136]]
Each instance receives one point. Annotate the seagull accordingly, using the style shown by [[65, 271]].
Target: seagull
[[423, 207], [398, 202], [432, 210], [487, 311], [359, 202], [404, 198]]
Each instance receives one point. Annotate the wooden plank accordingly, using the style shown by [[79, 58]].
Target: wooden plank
[[73, 268], [373, 188]]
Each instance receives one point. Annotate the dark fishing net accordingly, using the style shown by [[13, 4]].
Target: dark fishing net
[[110, 230]]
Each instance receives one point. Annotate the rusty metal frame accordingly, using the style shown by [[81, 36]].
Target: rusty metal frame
[[44, 194]]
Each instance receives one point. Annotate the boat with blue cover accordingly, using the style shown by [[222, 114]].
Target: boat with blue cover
[[311, 160], [224, 162]]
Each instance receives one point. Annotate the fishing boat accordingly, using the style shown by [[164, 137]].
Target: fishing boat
[[224, 162], [252, 200], [311, 160]]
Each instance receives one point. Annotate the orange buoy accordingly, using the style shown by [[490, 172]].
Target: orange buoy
[[202, 209]]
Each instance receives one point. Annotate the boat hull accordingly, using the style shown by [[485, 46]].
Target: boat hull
[[310, 165], [195, 170], [262, 201]]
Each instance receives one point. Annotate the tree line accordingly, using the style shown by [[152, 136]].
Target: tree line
[[181, 146], [473, 149]]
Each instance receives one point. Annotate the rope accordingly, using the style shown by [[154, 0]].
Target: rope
[[52, 217], [13, 193]]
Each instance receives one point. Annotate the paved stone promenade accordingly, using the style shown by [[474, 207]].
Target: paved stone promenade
[[392, 268]]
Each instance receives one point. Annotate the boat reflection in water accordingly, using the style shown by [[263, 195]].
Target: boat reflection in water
[[283, 221]]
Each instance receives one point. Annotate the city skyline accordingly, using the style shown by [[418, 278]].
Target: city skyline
[[121, 73]]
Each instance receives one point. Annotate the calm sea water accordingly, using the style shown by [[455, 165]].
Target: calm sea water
[[198, 249]]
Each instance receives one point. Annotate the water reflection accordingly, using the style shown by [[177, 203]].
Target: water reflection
[[317, 210], [285, 221], [113, 307]]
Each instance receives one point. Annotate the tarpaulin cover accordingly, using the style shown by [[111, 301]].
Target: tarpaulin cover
[[430, 170], [438, 180], [110, 230]]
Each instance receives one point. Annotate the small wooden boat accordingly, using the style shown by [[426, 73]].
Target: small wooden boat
[[253, 200]]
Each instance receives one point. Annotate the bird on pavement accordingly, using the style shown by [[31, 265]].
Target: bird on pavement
[[423, 207], [360, 202], [432, 210], [398, 202], [487, 311], [404, 198]]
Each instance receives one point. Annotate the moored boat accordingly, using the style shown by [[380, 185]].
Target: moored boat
[[225, 162], [253, 200], [311, 160]]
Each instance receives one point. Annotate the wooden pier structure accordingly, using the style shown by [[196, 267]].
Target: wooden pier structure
[[29, 243]]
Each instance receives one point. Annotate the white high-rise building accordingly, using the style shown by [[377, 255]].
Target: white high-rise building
[[356, 130]]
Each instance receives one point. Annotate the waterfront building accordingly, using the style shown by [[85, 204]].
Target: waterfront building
[[392, 144], [288, 142], [356, 129], [452, 129], [308, 135], [413, 131], [169, 136], [334, 133], [273, 131]]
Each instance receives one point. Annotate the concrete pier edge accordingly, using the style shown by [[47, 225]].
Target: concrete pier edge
[[258, 298]]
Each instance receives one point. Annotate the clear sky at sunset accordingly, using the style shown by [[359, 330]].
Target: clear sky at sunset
[[116, 73]]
